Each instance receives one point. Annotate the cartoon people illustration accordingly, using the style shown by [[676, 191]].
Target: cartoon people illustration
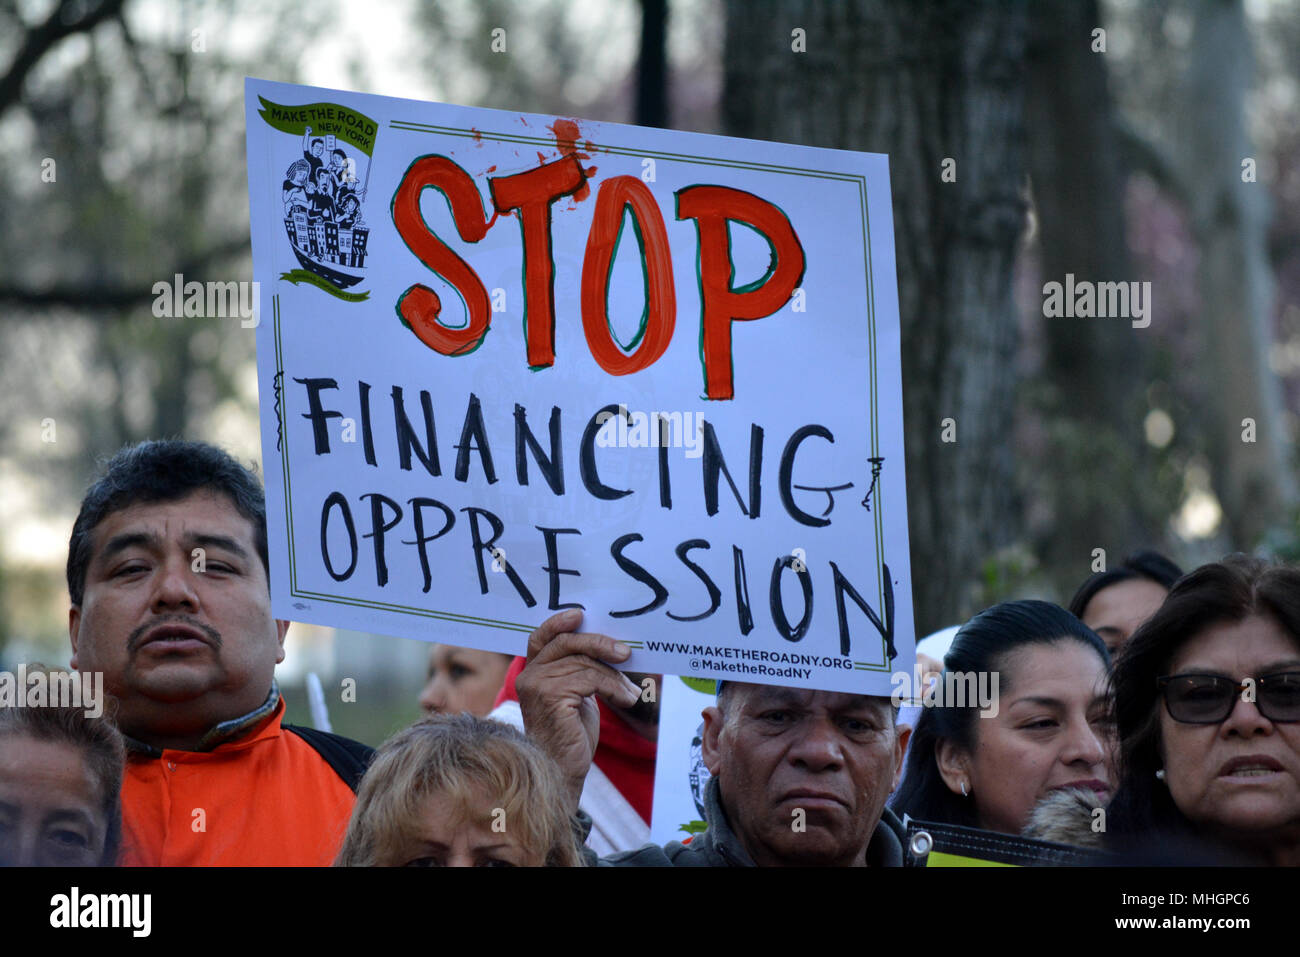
[[293, 192], [321, 196], [349, 189], [312, 151], [339, 169], [345, 179], [350, 212]]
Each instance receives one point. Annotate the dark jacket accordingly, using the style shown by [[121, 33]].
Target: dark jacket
[[720, 847]]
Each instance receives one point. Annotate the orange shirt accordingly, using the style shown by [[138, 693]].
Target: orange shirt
[[266, 798]]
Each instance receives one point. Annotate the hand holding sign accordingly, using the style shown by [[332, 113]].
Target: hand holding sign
[[555, 692]]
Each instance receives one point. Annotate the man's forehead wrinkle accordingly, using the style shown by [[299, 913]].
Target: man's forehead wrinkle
[[805, 698], [156, 522], [766, 696], [140, 518]]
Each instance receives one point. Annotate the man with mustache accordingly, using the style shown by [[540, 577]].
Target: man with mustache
[[798, 777], [168, 576]]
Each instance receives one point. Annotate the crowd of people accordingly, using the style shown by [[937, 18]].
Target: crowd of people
[[325, 192], [1168, 702]]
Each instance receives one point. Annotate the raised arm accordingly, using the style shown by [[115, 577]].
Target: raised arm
[[556, 688]]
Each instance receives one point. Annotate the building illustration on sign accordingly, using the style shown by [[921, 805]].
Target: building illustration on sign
[[322, 198]]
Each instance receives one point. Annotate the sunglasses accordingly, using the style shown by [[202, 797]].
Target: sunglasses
[[1209, 699]]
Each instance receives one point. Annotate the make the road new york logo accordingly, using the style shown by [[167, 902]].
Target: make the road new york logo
[[324, 192]]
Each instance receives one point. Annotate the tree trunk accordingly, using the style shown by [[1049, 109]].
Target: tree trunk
[[652, 65], [1254, 479], [1092, 472], [922, 82]]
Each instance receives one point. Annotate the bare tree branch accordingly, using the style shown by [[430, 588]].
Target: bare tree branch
[[98, 296], [67, 19]]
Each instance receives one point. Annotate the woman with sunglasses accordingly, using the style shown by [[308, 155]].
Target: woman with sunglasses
[[1207, 706]]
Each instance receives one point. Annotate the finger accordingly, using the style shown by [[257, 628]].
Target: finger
[[598, 678], [578, 675], [557, 624], [600, 647]]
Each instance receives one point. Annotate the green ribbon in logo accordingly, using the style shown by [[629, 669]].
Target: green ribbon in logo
[[347, 125], [302, 275]]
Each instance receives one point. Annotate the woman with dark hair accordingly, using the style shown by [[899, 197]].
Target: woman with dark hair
[[1207, 706], [986, 764], [60, 788], [1115, 603]]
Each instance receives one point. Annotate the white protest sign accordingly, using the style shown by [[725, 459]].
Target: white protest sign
[[680, 774], [486, 398]]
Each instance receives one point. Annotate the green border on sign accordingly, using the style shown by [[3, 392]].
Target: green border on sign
[[878, 504]]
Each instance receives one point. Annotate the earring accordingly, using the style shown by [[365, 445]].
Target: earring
[[963, 789], [1160, 775]]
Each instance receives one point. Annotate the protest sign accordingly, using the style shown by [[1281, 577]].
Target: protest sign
[[680, 774], [485, 398]]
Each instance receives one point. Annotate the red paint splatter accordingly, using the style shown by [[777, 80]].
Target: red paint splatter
[[478, 136], [566, 135], [583, 191], [491, 169]]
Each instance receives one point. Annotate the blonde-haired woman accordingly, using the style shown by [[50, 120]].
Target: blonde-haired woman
[[460, 791]]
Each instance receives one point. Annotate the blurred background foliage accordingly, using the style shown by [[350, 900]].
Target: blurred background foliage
[[121, 138]]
